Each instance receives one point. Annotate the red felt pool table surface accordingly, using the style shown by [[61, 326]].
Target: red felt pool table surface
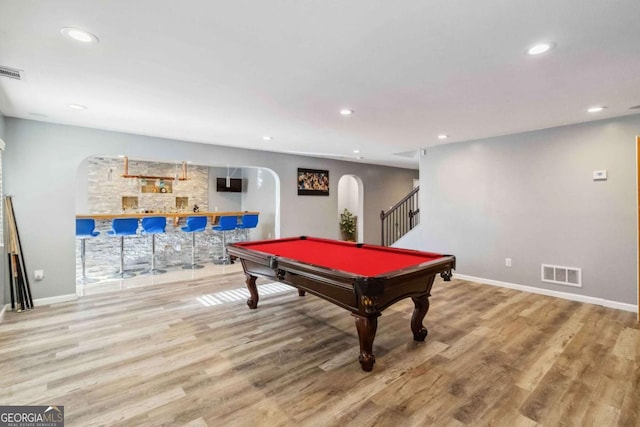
[[359, 259]]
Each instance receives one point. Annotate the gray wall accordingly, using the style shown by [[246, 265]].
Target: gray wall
[[82, 187], [42, 162], [260, 195], [223, 201], [531, 197]]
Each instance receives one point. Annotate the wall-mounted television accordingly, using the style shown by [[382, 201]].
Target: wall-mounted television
[[235, 185]]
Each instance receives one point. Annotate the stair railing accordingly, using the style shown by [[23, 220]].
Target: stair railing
[[400, 218]]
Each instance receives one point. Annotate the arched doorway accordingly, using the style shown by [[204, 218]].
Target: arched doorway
[[351, 197]]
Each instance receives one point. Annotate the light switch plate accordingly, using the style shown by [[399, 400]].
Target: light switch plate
[[600, 175]]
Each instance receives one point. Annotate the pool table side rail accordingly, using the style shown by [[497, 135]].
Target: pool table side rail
[[243, 249], [368, 246], [343, 288]]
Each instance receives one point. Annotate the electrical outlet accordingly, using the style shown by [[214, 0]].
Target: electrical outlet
[[38, 274], [507, 262]]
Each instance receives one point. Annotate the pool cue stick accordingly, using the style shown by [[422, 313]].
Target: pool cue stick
[[24, 280], [24, 302], [12, 248], [25, 276], [16, 282], [27, 304], [20, 301], [12, 284]]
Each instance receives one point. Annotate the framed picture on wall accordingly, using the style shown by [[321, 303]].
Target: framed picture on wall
[[313, 182]]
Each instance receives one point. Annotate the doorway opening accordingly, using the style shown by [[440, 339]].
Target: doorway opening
[[351, 197], [165, 189]]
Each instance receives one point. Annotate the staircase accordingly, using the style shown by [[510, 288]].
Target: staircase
[[400, 218]]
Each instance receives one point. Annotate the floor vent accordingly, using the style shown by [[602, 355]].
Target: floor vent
[[571, 276], [10, 72]]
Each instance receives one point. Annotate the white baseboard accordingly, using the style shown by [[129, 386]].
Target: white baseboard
[[564, 295], [44, 301], [53, 300]]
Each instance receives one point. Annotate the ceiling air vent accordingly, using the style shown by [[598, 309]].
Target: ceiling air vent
[[571, 276], [12, 73]]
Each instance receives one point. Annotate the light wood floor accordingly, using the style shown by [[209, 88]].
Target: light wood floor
[[170, 354]]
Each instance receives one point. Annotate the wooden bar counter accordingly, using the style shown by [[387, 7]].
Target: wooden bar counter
[[175, 215]]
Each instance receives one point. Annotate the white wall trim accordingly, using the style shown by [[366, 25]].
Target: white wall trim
[[54, 300], [564, 295], [43, 301]]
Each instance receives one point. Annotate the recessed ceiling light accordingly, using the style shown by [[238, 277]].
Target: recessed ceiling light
[[596, 109], [346, 112], [443, 136], [38, 115], [540, 48], [77, 107], [267, 138], [79, 35], [356, 151]]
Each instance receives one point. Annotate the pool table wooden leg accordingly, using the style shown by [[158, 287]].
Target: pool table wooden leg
[[252, 302], [301, 293], [366, 327], [421, 307]]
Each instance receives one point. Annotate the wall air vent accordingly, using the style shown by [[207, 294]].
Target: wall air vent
[[408, 154], [12, 73], [570, 276]]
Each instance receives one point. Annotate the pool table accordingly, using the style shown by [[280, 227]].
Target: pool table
[[364, 279]]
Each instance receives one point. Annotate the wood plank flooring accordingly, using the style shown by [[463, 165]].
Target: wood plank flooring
[[187, 353]]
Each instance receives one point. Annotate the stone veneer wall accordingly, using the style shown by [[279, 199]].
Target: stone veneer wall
[[105, 195]]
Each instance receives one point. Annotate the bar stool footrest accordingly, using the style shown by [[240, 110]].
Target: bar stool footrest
[[154, 272], [123, 275], [192, 266]]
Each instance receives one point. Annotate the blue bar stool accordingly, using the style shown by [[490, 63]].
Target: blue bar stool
[[249, 221], [154, 225], [85, 229], [121, 227], [195, 224], [227, 223]]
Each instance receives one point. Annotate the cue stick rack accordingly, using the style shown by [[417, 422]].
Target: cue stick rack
[[18, 278]]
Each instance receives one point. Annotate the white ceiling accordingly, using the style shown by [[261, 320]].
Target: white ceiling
[[229, 72]]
